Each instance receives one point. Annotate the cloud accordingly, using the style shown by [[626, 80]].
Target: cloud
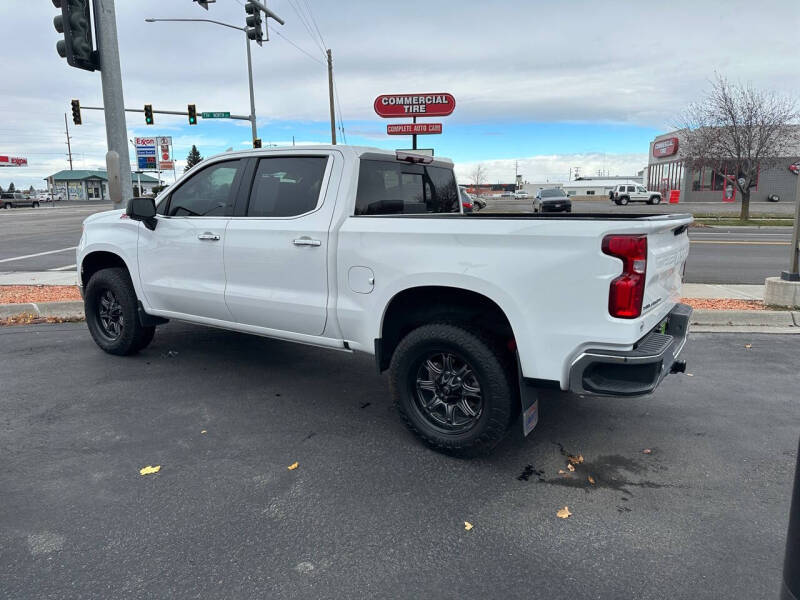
[[553, 167]]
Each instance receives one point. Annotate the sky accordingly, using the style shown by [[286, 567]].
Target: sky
[[540, 85]]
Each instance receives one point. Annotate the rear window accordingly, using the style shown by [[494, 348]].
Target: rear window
[[394, 188]]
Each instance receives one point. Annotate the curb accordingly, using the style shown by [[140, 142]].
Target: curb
[[60, 310], [747, 318], [702, 319]]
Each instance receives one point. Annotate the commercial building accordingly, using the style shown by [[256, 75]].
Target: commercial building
[[667, 170], [92, 185]]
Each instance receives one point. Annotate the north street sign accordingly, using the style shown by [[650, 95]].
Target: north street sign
[[216, 115]]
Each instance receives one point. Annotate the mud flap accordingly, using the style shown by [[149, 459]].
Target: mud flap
[[529, 397]]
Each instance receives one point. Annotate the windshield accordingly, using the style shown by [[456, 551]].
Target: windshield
[[552, 193]]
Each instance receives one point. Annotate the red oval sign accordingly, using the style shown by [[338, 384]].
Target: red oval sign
[[665, 147], [415, 105]]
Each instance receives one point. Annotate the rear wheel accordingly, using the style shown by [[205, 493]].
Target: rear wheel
[[623, 201], [7, 205], [453, 388], [35, 205], [112, 313]]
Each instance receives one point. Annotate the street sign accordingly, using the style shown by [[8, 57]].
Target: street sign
[[13, 161], [166, 165], [413, 128], [414, 105], [216, 115]]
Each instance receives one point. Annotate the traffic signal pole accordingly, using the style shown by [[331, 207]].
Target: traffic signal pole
[[113, 102], [252, 92]]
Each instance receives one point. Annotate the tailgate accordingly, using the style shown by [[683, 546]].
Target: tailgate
[[667, 250]]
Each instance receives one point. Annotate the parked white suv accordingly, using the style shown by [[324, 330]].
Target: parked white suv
[[363, 250], [622, 194], [521, 194]]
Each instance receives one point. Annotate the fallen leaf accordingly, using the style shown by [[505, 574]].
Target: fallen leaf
[[570, 468], [204, 431], [293, 466], [563, 513], [690, 374], [748, 346], [575, 460], [149, 470], [591, 480], [562, 472], [467, 525], [647, 451]]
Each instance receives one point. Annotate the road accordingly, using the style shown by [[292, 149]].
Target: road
[[43, 239], [40, 239], [369, 512], [698, 208]]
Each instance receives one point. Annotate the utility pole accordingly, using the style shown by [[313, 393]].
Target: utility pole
[[330, 96], [69, 148], [111, 75]]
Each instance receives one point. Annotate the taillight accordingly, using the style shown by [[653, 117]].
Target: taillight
[[627, 291], [467, 205]]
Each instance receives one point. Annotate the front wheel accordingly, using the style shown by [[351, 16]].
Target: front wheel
[[112, 313], [655, 200], [453, 388]]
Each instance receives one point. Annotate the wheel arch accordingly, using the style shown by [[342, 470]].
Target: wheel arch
[[96, 260], [418, 305]]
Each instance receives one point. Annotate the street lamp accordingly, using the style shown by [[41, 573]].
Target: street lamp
[[249, 58]]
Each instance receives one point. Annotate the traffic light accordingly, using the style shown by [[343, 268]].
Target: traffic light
[[75, 22], [255, 30], [257, 143], [192, 114], [148, 114], [76, 112]]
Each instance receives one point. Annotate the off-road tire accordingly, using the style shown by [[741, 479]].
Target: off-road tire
[[493, 368], [133, 336]]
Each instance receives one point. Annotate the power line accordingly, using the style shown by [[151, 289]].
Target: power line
[[339, 110], [314, 21], [316, 60], [307, 24]]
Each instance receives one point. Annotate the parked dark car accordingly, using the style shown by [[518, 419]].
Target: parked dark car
[[15, 199], [552, 200]]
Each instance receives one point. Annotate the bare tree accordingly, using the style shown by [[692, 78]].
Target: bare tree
[[478, 175], [737, 130]]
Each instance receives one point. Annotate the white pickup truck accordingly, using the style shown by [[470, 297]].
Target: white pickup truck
[[364, 250]]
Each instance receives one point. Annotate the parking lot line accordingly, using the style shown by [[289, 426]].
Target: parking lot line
[[67, 268], [13, 258]]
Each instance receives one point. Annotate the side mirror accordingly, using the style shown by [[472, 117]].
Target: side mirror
[[144, 210]]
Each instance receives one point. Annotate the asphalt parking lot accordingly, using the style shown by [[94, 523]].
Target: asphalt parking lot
[[368, 512]]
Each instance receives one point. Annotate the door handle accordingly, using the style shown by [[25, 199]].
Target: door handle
[[208, 236], [305, 241]]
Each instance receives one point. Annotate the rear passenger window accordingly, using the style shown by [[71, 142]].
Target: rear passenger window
[[390, 188], [286, 186], [631, 188]]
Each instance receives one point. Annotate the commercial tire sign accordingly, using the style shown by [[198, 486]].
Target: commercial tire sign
[[666, 147], [414, 105]]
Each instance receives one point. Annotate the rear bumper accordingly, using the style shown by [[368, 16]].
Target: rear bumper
[[633, 372]]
